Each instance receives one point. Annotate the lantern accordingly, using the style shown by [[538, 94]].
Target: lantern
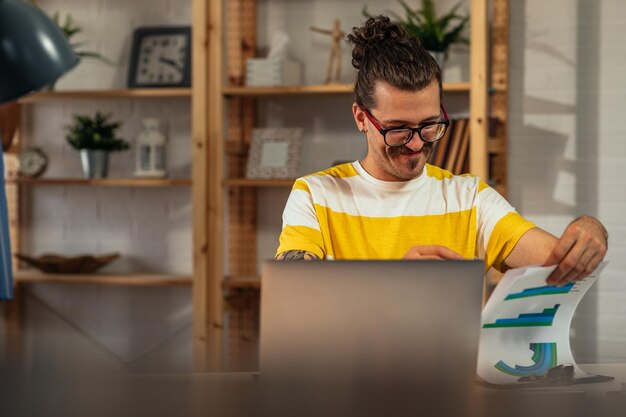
[[150, 150]]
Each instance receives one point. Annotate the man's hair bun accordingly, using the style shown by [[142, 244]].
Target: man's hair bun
[[372, 36], [382, 51]]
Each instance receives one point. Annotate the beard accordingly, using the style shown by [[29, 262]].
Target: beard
[[407, 169]]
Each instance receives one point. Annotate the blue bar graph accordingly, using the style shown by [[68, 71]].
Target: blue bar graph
[[545, 290], [545, 318]]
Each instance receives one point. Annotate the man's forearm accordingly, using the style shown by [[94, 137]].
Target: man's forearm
[[577, 252], [297, 255]]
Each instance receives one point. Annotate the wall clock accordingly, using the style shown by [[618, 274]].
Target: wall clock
[[161, 57], [32, 162]]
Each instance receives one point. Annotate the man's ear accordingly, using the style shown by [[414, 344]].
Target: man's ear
[[359, 117]]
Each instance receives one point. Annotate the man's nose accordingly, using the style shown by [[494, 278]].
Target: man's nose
[[415, 144]]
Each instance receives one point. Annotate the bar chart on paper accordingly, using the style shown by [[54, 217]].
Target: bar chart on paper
[[544, 290], [545, 318], [525, 326]]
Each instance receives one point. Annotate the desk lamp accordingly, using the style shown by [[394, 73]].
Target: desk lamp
[[33, 53]]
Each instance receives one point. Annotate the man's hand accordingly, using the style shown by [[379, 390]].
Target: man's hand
[[579, 251], [431, 252]]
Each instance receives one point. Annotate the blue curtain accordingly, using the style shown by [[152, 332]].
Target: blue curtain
[[6, 275]]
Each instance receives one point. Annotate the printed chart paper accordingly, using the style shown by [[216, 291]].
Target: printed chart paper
[[525, 325]]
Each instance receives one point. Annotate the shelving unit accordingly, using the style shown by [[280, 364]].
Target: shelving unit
[[324, 89], [107, 94], [15, 183], [127, 280], [197, 185], [103, 182], [233, 118], [242, 182]]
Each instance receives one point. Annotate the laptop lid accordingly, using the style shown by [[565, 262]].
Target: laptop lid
[[342, 322]]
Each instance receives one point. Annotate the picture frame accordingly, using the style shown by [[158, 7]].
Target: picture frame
[[160, 57], [274, 153]]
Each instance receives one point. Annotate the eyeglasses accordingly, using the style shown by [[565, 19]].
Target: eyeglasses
[[428, 132]]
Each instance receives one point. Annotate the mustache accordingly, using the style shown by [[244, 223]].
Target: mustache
[[400, 150]]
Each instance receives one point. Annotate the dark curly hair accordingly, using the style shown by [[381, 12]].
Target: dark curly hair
[[383, 51]]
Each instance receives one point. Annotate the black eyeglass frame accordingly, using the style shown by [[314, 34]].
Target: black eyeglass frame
[[418, 130]]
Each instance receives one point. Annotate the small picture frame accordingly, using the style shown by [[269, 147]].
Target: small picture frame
[[274, 153]]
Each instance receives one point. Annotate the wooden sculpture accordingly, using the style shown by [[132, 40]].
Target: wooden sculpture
[[335, 51]]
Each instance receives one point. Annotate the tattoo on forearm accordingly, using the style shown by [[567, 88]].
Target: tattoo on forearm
[[301, 255]]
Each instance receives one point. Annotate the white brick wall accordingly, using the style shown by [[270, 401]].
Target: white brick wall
[[567, 151]]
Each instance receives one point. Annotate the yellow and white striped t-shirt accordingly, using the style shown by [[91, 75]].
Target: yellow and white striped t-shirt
[[345, 213]]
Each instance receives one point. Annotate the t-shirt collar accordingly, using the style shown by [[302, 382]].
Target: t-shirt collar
[[390, 185]]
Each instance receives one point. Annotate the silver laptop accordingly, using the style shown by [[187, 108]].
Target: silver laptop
[[346, 322]]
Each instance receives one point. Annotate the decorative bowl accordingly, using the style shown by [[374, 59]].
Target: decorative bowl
[[58, 264]]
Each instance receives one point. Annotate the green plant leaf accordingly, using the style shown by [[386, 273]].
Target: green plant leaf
[[413, 16], [454, 36], [365, 13], [394, 15], [435, 33], [95, 133], [70, 29], [428, 11]]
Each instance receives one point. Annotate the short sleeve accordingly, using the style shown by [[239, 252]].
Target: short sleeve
[[499, 226], [301, 228]]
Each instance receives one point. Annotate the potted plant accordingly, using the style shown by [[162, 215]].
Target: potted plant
[[70, 29], [435, 33], [95, 137]]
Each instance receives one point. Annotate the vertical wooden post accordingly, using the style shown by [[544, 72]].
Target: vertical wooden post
[[500, 96], [240, 306], [479, 89], [207, 124], [240, 45]]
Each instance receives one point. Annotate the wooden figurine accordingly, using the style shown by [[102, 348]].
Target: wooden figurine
[[335, 51]]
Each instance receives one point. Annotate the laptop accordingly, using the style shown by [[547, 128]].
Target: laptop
[[354, 323]]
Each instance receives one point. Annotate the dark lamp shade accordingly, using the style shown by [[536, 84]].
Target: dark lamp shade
[[34, 52]]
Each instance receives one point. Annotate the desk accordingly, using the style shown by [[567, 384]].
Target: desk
[[606, 399], [242, 394], [617, 370]]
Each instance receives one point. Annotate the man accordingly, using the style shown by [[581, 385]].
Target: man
[[392, 204]]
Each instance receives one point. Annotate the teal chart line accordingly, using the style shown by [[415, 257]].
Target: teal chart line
[[544, 358], [545, 290], [545, 318]]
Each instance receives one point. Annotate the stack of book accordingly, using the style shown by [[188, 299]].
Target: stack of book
[[452, 152]]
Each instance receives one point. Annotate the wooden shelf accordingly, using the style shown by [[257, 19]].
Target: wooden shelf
[[242, 283], [288, 90], [460, 87], [106, 182], [314, 90], [243, 182], [131, 280], [107, 94]]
